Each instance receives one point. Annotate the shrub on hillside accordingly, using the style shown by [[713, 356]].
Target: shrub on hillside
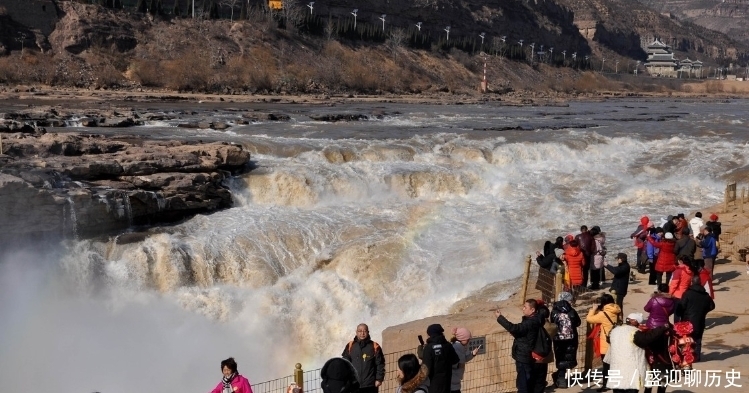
[[147, 73]]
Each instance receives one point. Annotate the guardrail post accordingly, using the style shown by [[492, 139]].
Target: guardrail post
[[526, 278], [299, 375], [558, 283], [588, 347], [743, 191], [725, 199]]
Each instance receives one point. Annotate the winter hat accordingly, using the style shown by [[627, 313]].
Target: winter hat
[[570, 237], [644, 221], [669, 235], [462, 334], [566, 296], [338, 376], [713, 217], [635, 316], [670, 217], [434, 330], [559, 252]]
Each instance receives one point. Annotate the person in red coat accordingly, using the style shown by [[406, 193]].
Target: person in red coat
[[706, 279], [574, 259], [666, 262]]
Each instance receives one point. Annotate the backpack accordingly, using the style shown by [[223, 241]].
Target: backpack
[[374, 344], [542, 346], [565, 331]]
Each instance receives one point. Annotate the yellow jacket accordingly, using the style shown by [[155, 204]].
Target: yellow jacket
[[594, 316]]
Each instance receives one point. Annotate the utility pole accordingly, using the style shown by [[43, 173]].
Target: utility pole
[[616, 68], [447, 29], [533, 45], [352, 13], [382, 18], [603, 61]]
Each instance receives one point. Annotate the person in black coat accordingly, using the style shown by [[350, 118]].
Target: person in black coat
[[620, 283], [655, 343], [525, 334], [367, 358], [693, 306], [439, 357], [566, 339]]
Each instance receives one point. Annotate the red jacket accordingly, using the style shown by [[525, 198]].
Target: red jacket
[[666, 261], [680, 281], [707, 281], [575, 261]]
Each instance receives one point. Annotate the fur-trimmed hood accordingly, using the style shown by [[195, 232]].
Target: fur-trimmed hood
[[419, 382]]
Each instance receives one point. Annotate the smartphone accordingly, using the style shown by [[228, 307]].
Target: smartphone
[[421, 339]]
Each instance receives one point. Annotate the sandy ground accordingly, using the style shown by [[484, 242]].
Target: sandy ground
[[725, 343], [712, 89]]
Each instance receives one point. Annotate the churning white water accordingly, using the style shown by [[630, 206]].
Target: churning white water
[[339, 228]]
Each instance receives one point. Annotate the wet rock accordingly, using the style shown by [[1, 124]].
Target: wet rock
[[219, 126], [263, 116], [332, 117], [111, 184]]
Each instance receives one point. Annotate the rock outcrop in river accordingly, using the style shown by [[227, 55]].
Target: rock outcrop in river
[[85, 185]]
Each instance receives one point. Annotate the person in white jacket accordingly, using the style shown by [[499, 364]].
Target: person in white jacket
[[628, 362], [695, 224]]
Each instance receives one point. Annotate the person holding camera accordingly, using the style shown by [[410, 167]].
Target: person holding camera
[[620, 283], [367, 358], [232, 382], [709, 248], [603, 316], [461, 337], [525, 334]]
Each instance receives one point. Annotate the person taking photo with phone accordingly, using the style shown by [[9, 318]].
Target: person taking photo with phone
[[461, 337]]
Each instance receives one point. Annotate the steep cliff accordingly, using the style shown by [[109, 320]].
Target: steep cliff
[[727, 16], [625, 27]]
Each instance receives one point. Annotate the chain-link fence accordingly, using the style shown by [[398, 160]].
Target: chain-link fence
[[493, 371]]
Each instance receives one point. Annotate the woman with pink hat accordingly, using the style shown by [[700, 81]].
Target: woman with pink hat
[[460, 339]]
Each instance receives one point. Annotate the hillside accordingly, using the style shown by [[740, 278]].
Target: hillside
[[727, 16], [322, 52], [624, 27]]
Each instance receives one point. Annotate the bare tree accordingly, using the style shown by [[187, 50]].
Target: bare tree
[[329, 29], [231, 4], [397, 39], [293, 14]]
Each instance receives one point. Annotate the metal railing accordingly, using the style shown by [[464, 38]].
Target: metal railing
[[491, 372]]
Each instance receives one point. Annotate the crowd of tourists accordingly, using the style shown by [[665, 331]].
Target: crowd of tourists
[[636, 352]]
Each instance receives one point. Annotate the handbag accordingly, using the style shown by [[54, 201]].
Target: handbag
[[613, 325]]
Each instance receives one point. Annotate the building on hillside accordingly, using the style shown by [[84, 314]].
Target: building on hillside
[[661, 61], [690, 69]]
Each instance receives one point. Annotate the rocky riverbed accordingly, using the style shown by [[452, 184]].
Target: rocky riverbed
[[74, 184]]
